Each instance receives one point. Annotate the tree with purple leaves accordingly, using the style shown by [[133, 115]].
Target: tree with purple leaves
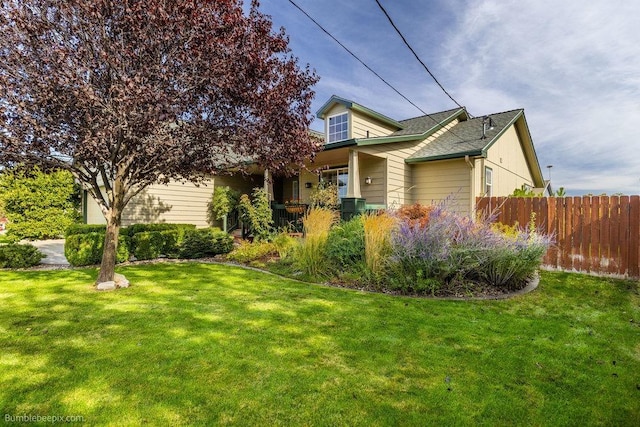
[[124, 94]]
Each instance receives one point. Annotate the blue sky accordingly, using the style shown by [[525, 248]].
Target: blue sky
[[574, 67]]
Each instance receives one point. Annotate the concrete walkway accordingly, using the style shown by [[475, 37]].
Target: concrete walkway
[[53, 249]]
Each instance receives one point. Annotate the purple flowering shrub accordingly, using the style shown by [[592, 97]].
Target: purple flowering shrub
[[449, 251]]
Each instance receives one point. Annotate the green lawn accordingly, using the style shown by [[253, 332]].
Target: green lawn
[[208, 344]]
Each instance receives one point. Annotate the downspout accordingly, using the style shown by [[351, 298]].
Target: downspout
[[472, 201]]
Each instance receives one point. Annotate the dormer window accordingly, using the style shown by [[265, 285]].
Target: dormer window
[[338, 127]]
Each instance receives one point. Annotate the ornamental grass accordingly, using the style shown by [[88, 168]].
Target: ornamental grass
[[317, 223], [377, 240]]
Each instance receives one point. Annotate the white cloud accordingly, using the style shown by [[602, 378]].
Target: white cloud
[[573, 66]]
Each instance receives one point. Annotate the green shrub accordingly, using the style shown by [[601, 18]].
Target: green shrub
[[171, 240], [163, 226], [38, 205], [19, 256], [86, 249], [147, 244], [257, 213], [511, 264], [285, 244], [345, 244], [205, 242], [87, 228], [223, 201], [251, 251]]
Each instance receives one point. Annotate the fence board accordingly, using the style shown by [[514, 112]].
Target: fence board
[[599, 234], [624, 234], [634, 230], [605, 235], [585, 258], [548, 207], [614, 229]]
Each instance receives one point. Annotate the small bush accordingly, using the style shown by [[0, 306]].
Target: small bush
[[345, 244], [19, 256], [171, 241], [163, 226], [251, 251], [415, 214], [148, 244], [86, 228], [223, 201], [86, 249], [257, 213], [205, 242], [512, 263], [285, 244]]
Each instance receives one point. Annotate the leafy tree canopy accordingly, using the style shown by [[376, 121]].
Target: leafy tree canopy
[[124, 94]]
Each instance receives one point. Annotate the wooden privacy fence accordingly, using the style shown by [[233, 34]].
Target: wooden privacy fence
[[593, 234]]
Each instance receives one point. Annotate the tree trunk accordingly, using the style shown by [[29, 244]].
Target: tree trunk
[[108, 265]]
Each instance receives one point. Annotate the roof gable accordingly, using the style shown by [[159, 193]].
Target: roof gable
[[322, 112], [465, 138]]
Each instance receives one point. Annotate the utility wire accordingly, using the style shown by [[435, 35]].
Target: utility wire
[[358, 59], [416, 55], [373, 71]]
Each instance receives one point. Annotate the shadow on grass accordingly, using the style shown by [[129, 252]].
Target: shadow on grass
[[196, 343]]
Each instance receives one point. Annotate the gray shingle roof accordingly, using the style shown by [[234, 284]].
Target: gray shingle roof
[[465, 138], [419, 125]]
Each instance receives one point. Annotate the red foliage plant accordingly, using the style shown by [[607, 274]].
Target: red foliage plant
[[124, 94], [415, 214]]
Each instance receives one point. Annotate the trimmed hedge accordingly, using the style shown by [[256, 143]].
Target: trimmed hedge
[[163, 226], [205, 242], [16, 255], [152, 244], [83, 245], [85, 229], [86, 249]]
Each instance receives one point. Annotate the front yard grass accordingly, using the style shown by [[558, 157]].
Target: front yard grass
[[206, 344]]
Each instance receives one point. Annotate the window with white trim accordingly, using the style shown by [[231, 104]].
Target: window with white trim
[[339, 178], [338, 127], [295, 190], [488, 182]]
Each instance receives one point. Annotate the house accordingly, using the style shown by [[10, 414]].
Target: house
[[380, 162]]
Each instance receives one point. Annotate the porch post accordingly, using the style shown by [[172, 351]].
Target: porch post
[[268, 184], [353, 180]]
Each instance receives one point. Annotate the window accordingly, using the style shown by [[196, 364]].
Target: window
[[295, 190], [339, 178], [488, 182], [338, 127]]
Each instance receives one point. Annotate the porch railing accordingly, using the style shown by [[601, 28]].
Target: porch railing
[[288, 217]]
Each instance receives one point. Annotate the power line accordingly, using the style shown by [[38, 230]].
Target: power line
[[416, 55], [373, 71], [358, 59]]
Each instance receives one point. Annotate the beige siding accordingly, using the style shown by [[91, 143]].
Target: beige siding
[[440, 180], [506, 159], [361, 124], [94, 214], [399, 178], [306, 176], [174, 203], [375, 168]]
